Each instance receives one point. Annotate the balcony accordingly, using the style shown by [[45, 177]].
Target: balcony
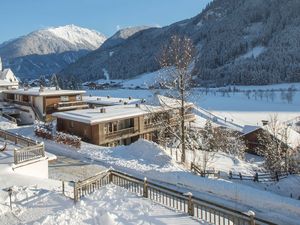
[[121, 133], [187, 118], [62, 106]]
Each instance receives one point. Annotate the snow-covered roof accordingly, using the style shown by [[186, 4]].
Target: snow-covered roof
[[283, 133], [107, 100], [94, 116], [46, 92], [172, 102], [249, 129]]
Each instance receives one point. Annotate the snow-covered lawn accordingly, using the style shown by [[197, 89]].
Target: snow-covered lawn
[[110, 205]]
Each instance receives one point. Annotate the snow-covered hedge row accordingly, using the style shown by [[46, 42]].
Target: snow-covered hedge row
[[59, 137]]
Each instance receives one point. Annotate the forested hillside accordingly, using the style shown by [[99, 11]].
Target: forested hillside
[[237, 42]]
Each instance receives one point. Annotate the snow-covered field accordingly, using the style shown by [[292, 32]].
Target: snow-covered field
[[235, 107]]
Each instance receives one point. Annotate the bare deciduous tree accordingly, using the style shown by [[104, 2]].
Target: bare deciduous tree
[[176, 59]]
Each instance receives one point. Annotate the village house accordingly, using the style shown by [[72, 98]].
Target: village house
[[7, 79], [40, 103], [285, 134], [116, 125]]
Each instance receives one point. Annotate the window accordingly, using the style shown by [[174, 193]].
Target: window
[[78, 97], [147, 121], [64, 98]]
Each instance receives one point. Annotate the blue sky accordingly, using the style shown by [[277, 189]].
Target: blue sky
[[19, 17]]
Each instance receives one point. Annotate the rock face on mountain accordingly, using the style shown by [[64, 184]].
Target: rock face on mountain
[[47, 51], [237, 42]]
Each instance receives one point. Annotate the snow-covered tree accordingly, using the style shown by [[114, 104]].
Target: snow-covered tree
[[274, 146], [54, 81], [42, 81]]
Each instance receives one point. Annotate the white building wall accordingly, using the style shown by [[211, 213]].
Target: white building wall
[[38, 103], [36, 169]]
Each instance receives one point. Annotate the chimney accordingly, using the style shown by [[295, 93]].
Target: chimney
[[108, 96], [129, 98], [102, 110], [137, 105]]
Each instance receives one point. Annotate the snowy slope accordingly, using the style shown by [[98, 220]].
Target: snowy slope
[[78, 35]]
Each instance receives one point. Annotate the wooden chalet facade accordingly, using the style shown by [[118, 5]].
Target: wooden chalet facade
[[115, 125], [45, 101]]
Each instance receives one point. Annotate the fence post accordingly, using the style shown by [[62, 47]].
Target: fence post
[[15, 156], [230, 174], [251, 215], [75, 193], [145, 188], [241, 177], [63, 187], [110, 176], [190, 204], [256, 177]]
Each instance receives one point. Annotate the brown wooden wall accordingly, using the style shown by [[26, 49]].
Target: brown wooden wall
[[87, 132], [50, 100]]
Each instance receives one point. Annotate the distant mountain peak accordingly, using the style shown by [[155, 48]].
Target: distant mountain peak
[[78, 35], [46, 51]]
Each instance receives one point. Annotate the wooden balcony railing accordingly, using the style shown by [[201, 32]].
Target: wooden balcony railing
[[31, 149], [76, 104], [120, 133], [29, 153], [201, 209]]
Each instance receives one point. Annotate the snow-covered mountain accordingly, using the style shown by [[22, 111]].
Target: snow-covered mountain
[[47, 51], [237, 42]]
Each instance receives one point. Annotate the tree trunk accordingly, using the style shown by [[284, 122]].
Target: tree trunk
[[183, 139]]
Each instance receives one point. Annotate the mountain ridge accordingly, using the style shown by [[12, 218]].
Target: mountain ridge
[[237, 42]]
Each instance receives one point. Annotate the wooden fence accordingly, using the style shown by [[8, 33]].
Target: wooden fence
[[87, 186], [182, 202], [259, 177], [31, 149], [204, 173], [17, 139]]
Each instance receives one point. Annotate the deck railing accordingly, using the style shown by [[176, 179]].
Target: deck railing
[[125, 131], [17, 139], [30, 150], [29, 153], [183, 202]]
